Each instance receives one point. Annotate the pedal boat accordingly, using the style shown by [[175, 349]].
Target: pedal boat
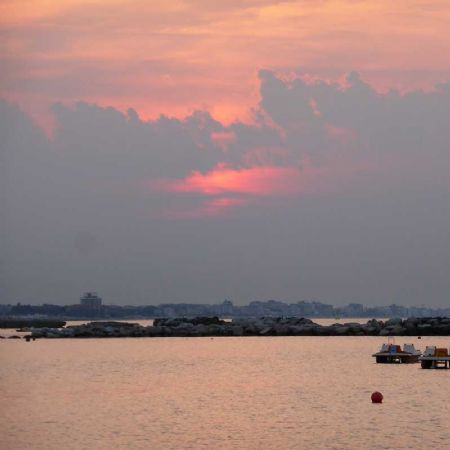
[[393, 354], [435, 358]]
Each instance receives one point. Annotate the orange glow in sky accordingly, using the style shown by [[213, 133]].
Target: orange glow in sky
[[178, 56], [225, 188], [255, 181]]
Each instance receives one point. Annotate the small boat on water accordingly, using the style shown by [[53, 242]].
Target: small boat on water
[[435, 358], [393, 354]]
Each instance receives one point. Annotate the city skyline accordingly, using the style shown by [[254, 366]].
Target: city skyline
[[91, 306]]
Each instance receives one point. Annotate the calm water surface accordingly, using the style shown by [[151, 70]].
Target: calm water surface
[[221, 393]]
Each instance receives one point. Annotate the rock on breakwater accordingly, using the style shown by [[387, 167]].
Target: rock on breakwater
[[263, 326]]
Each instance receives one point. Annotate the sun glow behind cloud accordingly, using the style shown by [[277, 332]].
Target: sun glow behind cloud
[[223, 187], [257, 181], [176, 57]]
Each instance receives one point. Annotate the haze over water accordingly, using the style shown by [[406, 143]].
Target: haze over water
[[221, 393]]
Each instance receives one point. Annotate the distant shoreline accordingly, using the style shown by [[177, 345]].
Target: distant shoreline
[[91, 307]]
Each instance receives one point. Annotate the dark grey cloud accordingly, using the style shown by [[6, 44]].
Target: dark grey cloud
[[104, 140], [81, 210]]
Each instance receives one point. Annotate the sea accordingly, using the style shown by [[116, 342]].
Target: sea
[[260, 393]]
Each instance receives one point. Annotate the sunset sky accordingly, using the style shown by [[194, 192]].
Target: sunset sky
[[197, 150], [174, 57]]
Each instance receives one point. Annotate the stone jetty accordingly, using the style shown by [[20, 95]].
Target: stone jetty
[[31, 323], [264, 326]]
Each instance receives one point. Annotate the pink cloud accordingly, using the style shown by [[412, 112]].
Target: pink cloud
[[254, 181], [225, 188], [210, 208]]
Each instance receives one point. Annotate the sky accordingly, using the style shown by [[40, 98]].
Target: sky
[[192, 151]]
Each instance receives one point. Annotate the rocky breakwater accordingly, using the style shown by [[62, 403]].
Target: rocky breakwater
[[264, 326], [417, 326], [31, 323]]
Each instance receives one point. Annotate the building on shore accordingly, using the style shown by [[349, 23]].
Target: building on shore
[[91, 301]]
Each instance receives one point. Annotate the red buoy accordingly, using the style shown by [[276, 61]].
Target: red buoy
[[377, 397]]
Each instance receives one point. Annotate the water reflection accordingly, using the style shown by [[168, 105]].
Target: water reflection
[[221, 393]]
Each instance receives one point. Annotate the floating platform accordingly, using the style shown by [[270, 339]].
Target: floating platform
[[435, 358], [393, 354]]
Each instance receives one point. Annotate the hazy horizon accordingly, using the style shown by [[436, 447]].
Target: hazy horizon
[[105, 302]]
